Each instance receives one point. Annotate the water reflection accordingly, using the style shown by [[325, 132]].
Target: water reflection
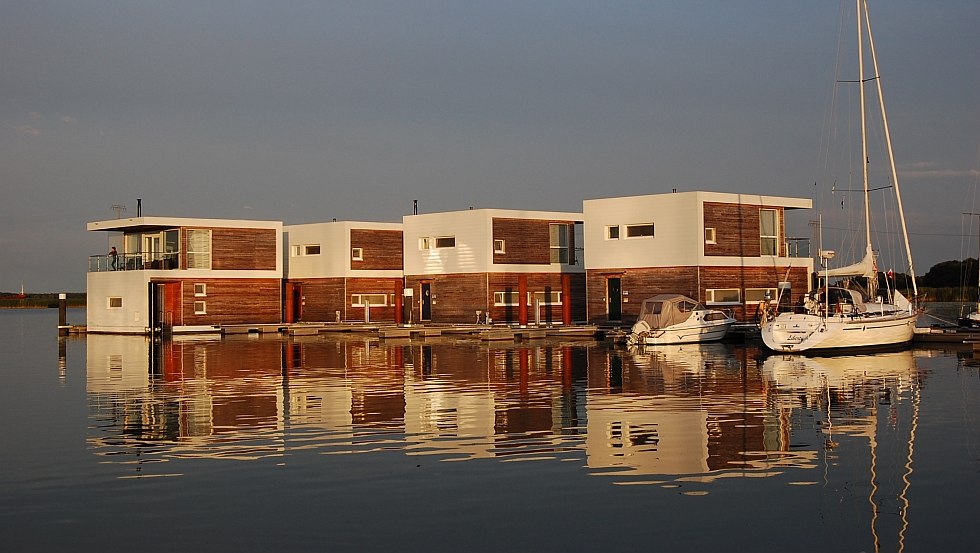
[[667, 415]]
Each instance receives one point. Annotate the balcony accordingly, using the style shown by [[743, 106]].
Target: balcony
[[134, 262]]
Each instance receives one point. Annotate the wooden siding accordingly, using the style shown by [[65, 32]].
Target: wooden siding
[[737, 229], [324, 297], [232, 301], [382, 249], [536, 282], [528, 241], [455, 297], [388, 286], [640, 284], [237, 249]]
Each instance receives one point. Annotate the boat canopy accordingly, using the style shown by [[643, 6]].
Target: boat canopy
[[664, 310]]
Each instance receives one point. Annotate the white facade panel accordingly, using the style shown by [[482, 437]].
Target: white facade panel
[[131, 289], [334, 259], [473, 233]]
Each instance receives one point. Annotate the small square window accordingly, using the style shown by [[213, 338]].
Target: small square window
[[200, 308], [357, 254], [498, 246], [709, 235], [612, 232], [200, 289], [114, 303]]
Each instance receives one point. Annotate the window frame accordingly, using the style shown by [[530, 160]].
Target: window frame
[[200, 289], [531, 296], [357, 300], [560, 253], [499, 246], [200, 307], [772, 239], [710, 235], [110, 300], [196, 258], [773, 292], [357, 254], [637, 226], [312, 249], [442, 242], [611, 230], [500, 298], [709, 296]]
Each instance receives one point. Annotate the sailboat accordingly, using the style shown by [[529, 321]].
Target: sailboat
[[846, 316]]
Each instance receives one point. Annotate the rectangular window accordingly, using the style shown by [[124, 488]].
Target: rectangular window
[[560, 250], [723, 295], [769, 231], [295, 251], [357, 254], [425, 243], [376, 300], [200, 289], [505, 298], [756, 295], [445, 242], [709, 235], [498, 246], [114, 303], [311, 249], [639, 231], [612, 232], [198, 248], [200, 308], [545, 298]]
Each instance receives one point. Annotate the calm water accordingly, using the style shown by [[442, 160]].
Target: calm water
[[345, 443]]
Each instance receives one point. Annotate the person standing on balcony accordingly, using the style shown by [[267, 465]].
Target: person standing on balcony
[[113, 258]]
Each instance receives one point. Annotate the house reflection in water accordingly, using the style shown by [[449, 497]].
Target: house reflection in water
[[691, 411]]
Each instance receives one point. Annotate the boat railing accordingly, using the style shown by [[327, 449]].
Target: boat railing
[[134, 262]]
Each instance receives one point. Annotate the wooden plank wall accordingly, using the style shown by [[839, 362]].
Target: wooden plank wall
[[536, 282], [690, 281], [382, 249], [241, 249], [233, 301], [526, 241], [323, 297], [737, 229]]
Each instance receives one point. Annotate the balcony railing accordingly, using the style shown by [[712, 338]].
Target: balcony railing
[[134, 262]]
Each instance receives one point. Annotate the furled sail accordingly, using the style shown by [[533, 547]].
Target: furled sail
[[863, 268]]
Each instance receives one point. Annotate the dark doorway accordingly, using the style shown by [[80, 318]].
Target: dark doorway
[[426, 302], [614, 298]]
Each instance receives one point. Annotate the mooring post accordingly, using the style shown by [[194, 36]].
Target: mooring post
[[62, 314]]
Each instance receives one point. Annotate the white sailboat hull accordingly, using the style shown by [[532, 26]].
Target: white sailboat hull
[[796, 332]]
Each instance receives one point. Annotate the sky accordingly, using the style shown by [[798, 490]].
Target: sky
[[306, 111]]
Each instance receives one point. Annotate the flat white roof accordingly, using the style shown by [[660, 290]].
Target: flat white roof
[[150, 223], [724, 197]]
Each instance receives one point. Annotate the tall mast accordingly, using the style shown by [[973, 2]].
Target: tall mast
[[873, 280], [888, 143]]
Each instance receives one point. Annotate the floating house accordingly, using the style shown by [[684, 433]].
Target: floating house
[[184, 274], [725, 250], [344, 271], [512, 266]]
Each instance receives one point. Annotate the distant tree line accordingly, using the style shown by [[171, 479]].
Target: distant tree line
[[13, 300]]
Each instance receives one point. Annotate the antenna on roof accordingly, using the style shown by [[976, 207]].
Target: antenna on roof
[[118, 208], [415, 207]]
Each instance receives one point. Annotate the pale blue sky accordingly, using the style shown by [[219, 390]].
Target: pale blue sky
[[304, 111]]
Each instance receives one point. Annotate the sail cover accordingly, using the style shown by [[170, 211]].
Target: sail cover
[[667, 309], [863, 268]]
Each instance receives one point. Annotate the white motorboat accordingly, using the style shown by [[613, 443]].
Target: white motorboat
[[677, 319]]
